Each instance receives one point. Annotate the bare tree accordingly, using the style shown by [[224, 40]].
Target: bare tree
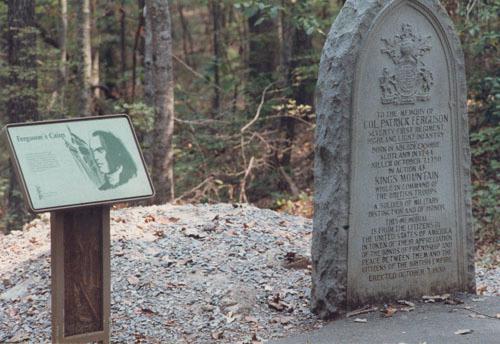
[[21, 104], [63, 34], [84, 56], [159, 92], [216, 10], [137, 39], [123, 48], [95, 43]]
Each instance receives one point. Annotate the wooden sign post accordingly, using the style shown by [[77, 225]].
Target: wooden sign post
[[80, 275], [75, 169]]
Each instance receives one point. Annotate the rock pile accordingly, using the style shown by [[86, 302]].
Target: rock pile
[[180, 274]]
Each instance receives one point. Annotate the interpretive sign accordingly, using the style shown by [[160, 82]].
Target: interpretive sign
[[76, 168], [77, 162], [392, 204]]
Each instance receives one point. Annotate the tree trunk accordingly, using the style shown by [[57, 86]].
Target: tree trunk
[[95, 53], [286, 33], [215, 9], [187, 38], [21, 104], [296, 47], [262, 51], [84, 57], [123, 49], [302, 50], [137, 39], [63, 63], [262, 56], [159, 87]]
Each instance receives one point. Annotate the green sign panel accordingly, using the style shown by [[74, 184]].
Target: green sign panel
[[73, 163]]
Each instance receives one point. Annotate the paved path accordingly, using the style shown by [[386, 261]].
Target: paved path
[[428, 323]]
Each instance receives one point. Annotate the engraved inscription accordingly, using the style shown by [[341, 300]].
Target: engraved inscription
[[406, 239], [409, 81]]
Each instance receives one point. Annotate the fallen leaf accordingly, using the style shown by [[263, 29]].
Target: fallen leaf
[[407, 303], [364, 310], [296, 261], [175, 285], [478, 299], [12, 312], [407, 309], [218, 335], [187, 261], [359, 320], [477, 316], [285, 320], [149, 218], [193, 233], [230, 317], [132, 280], [210, 227], [464, 331], [268, 288], [278, 304], [435, 298], [251, 319], [453, 301], [118, 219], [231, 232], [170, 322], [481, 289], [146, 311], [167, 220], [389, 311]]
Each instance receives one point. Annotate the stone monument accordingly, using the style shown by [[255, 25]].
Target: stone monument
[[392, 203]]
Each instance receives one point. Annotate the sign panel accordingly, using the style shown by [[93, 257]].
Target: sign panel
[[78, 162]]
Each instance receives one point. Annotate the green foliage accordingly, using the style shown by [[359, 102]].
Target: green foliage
[[486, 140], [268, 9], [480, 34], [142, 115], [487, 198], [485, 148]]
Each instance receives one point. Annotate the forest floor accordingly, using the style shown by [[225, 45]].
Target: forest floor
[[186, 274]]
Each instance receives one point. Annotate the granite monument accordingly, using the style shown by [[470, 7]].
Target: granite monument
[[392, 202]]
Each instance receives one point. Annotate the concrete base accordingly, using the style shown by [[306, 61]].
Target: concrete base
[[428, 323]]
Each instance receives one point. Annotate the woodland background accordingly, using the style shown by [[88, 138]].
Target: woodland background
[[221, 93]]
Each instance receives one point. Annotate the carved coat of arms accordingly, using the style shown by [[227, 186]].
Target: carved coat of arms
[[409, 80]]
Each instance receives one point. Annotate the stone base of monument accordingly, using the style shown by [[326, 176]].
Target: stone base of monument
[[80, 261]]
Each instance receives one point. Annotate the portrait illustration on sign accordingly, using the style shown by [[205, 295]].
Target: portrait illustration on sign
[[410, 80], [104, 160]]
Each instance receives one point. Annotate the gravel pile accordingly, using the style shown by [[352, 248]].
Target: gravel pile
[[181, 274]]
